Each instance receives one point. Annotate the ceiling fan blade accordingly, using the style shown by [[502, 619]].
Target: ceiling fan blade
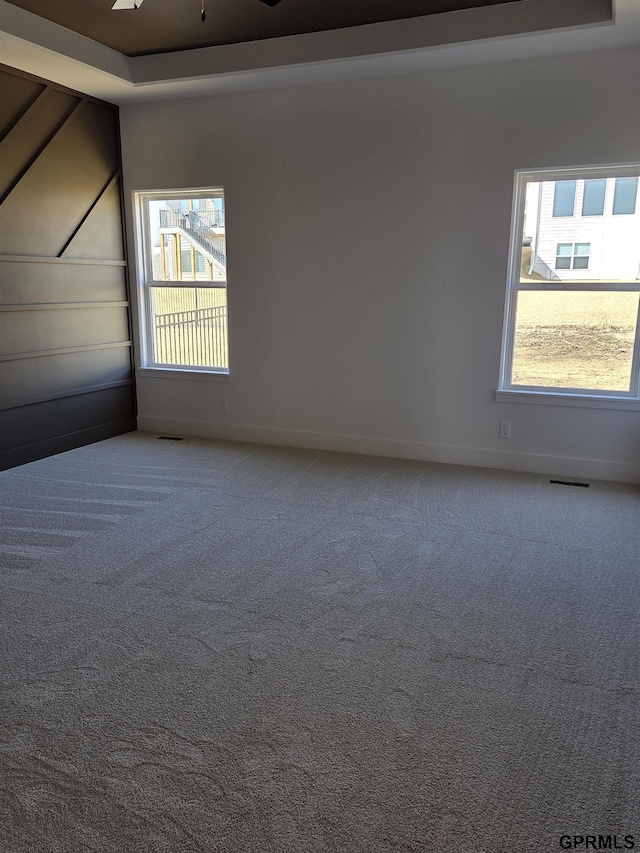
[[127, 4]]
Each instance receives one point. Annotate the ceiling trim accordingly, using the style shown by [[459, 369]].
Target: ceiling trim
[[466, 25], [29, 29], [514, 30]]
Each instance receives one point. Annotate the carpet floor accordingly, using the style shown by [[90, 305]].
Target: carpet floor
[[231, 648]]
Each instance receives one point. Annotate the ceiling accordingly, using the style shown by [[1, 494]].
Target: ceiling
[[161, 26], [163, 50]]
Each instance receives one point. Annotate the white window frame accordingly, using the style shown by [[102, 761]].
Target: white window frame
[[144, 268], [572, 257], [507, 391]]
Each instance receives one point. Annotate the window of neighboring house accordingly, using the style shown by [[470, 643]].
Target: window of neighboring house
[[564, 198], [593, 197], [183, 280], [189, 257], [572, 256], [572, 315], [624, 196]]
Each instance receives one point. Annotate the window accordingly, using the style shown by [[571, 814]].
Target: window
[[572, 256], [564, 198], [593, 198], [183, 280], [624, 196], [573, 300]]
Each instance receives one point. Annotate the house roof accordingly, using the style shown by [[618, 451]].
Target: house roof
[[162, 51]]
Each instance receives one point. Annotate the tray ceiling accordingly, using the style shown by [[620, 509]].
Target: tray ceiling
[[161, 26], [160, 51]]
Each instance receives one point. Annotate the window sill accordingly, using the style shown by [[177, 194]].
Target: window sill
[[181, 373], [584, 401]]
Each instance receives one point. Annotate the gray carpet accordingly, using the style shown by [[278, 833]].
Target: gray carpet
[[230, 648]]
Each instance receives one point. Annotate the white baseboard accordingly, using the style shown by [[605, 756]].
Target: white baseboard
[[560, 466]]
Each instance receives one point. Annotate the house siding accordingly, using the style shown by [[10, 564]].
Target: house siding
[[613, 239]]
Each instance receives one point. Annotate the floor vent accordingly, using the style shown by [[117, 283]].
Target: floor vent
[[569, 483], [169, 438]]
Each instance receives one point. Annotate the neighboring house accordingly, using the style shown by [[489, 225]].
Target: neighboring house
[[584, 229], [187, 238]]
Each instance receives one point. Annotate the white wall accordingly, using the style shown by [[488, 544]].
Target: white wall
[[367, 235]]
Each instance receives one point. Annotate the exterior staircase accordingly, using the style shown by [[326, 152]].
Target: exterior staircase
[[198, 230]]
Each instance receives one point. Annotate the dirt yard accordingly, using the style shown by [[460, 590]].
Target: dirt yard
[[574, 340]]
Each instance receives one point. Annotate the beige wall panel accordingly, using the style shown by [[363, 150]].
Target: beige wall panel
[[29, 378], [16, 96], [44, 421], [59, 159], [100, 235], [31, 283], [27, 138], [58, 328], [47, 205]]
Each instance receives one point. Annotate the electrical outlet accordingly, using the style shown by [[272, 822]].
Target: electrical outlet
[[505, 429], [223, 407]]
